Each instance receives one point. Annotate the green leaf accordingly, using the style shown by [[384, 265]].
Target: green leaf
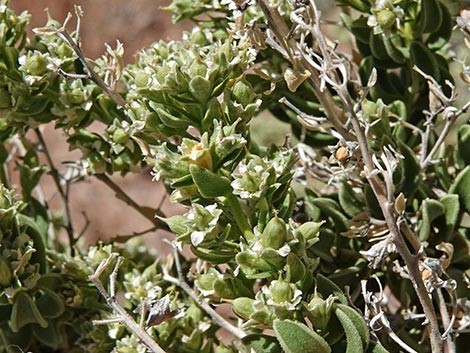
[[209, 184], [213, 256], [176, 224], [411, 171], [360, 5], [431, 209], [440, 37], [393, 52], [452, 211], [296, 337], [200, 88], [461, 187], [429, 18], [262, 343], [353, 338], [326, 287], [170, 120], [25, 312], [50, 304], [331, 208], [377, 46], [424, 58], [348, 199], [358, 322], [378, 348], [462, 150], [295, 269], [48, 335]]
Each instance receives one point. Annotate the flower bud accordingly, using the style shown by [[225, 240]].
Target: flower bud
[[281, 291], [274, 234], [35, 65], [120, 136], [319, 311], [385, 17], [243, 92], [243, 307], [309, 230]]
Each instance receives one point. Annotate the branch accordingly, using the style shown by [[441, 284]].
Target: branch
[[277, 24], [384, 195], [75, 45], [215, 316], [140, 332], [147, 212], [64, 194]]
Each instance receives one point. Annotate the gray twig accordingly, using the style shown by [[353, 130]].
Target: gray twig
[[112, 302]]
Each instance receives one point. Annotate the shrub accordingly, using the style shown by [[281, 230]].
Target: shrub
[[352, 235]]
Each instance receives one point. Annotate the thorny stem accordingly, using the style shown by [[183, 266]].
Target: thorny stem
[[112, 302], [144, 211], [64, 194], [215, 316], [280, 29]]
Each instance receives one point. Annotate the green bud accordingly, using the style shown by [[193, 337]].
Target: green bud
[[274, 234], [97, 163], [35, 65], [243, 307], [224, 289], [319, 311], [64, 50], [272, 256], [243, 92], [262, 317], [385, 17], [141, 79], [307, 233], [281, 291], [206, 281], [5, 273], [120, 136]]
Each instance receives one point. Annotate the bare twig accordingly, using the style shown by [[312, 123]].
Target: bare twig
[[277, 24], [147, 212], [111, 300], [64, 194], [215, 316], [374, 314], [65, 35], [329, 69], [449, 344]]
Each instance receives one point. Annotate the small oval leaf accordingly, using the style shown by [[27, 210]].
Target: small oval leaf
[[296, 337]]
